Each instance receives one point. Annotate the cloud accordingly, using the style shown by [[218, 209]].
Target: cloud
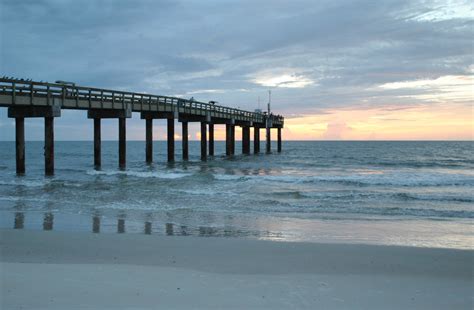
[[285, 81], [336, 131]]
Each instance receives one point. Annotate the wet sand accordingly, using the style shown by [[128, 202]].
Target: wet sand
[[66, 270]]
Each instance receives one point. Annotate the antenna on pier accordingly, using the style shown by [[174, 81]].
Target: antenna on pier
[[269, 100]]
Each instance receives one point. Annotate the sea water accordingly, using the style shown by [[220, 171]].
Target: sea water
[[392, 193]]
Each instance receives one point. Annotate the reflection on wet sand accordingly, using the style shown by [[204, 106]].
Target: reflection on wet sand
[[19, 220], [48, 221], [169, 229], [147, 228], [120, 226], [96, 224]]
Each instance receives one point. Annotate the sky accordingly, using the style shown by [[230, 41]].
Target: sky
[[338, 70]]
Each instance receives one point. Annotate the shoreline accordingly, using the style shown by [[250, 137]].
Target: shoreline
[[41, 269]]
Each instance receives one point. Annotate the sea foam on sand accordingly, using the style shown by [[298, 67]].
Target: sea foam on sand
[[66, 270]]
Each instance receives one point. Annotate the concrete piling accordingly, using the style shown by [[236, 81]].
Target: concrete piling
[[170, 125], [49, 145], [203, 141], [232, 139], [211, 139], [269, 140], [149, 140], [20, 144], [228, 137], [279, 139], [97, 143], [122, 143], [246, 140], [256, 140], [185, 140]]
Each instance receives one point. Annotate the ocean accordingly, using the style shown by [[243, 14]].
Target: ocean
[[390, 193]]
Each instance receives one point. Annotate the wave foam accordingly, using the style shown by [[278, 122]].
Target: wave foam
[[141, 174], [387, 178], [26, 183]]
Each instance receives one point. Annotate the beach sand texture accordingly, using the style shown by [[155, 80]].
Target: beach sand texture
[[71, 270]]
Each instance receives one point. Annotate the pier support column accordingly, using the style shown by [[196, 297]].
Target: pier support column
[[149, 140], [269, 140], [279, 140], [170, 139], [97, 143], [203, 141], [19, 113], [232, 140], [185, 140], [49, 145], [20, 144], [98, 115], [246, 140], [228, 136], [122, 143], [211, 139], [256, 140]]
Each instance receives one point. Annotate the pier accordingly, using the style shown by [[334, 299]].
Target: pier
[[26, 99]]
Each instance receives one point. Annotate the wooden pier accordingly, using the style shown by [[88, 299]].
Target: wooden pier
[[37, 99]]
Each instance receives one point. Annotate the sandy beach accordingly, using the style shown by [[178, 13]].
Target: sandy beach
[[66, 270]]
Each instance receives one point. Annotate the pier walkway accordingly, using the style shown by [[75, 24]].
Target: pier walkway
[[25, 98]]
